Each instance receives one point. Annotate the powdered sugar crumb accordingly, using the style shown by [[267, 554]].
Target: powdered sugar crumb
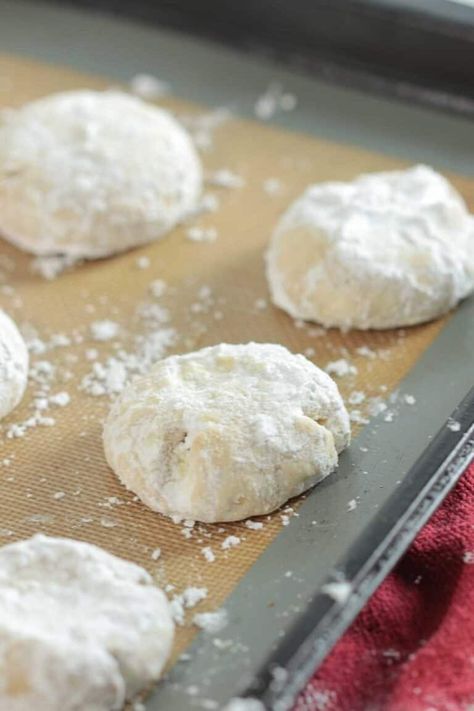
[[211, 622], [50, 267], [340, 368], [272, 186], [60, 399], [143, 262], [110, 377], [225, 178], [148, 87], [202, 126], [157, 288], [453, 425], [188, 599], [366, 352], [273, 100], [208, 554], [339, 590], [104, 330], [230, 542], [254, 525], [356, 397], [201, 234]]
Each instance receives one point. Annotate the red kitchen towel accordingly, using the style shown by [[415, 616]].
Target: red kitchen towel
[[412, 646]]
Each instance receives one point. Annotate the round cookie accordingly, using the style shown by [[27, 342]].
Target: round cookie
[[226, 432], [13, 365], [79, 628], [385, 250], [90, 173]]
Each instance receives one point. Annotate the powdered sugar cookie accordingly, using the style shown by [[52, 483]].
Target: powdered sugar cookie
[[89, 174], [226, 432], [388, 249], [79, 628], [13, 365]]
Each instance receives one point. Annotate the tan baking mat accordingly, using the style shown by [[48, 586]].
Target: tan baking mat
[[55, 479]]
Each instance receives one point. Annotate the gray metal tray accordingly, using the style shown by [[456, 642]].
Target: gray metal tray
[[277, 614]]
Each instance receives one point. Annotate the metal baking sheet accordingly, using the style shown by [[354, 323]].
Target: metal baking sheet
[[270, 603], [376, 47]]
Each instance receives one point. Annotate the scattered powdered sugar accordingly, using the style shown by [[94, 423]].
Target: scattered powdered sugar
[[157, 288], [60, 399], [225, 178], [201, 234], [273, 100], [51, 267], [104, 330], [254, 525], [202, 126], [468, 557], [356, 397], [272, 187], [110, 377], [351, 505], [453, 425], [340, 368], [42, 374], [339, 590], [107, 522], [208, 554], [177, 610], [148, 87], [230, 542], [156, 554], [366, 352], [376, 406], [388, 407], [193, 595], [143, 262], [189, 598], [107, 378], [211, 622]]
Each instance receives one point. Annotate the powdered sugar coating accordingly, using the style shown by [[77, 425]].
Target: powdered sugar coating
[[79, 628], [13, 365], [89, 174], [227, 432], [385, 250]]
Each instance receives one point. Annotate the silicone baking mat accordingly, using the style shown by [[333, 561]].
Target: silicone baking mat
[[54, 478]]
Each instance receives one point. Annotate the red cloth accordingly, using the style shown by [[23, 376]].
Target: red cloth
[[412, 647]]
